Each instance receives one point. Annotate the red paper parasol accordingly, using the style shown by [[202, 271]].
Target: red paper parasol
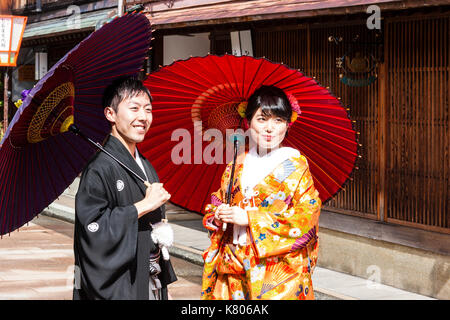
[[209, 89], [39, 157]]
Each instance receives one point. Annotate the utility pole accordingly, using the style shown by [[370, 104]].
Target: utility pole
[[5, 8], [6, 100]]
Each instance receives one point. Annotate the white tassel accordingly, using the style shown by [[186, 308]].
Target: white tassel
[[162, 234], [242, 236], [235, 234], [239, 235]]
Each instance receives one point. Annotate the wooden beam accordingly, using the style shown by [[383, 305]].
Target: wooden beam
[[382, 128], [261, 10]]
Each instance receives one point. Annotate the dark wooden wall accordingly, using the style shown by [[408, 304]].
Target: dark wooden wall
[[402, 117], [418, 136]]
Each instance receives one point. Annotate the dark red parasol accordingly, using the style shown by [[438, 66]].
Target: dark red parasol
[[39, 157], [209, 89]]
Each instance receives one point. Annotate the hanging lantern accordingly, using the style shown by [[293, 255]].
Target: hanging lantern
[[11, 33]]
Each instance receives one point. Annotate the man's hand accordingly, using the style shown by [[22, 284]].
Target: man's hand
[[235, 215], [155, 197]]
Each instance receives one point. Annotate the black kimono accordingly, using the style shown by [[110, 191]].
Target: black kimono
[[111, 245]]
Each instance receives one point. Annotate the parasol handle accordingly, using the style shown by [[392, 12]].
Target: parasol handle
[[73, 128], [230, 183]]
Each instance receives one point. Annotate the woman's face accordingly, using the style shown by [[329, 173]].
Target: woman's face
[[267, 131]]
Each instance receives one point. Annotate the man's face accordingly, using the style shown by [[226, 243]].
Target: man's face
[[132, 119]]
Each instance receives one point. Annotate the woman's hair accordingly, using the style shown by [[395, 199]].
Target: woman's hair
[[121, 89], [272, 101]]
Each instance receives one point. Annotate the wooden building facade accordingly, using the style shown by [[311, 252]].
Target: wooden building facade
[[400, 105], [401, 114], [402, 117]]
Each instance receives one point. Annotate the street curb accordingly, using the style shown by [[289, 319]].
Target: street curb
[[190, 254], [60, 212]]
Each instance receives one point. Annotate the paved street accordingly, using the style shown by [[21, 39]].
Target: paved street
[[36, 262]]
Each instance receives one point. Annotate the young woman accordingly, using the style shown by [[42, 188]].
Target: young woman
[[269, 248]]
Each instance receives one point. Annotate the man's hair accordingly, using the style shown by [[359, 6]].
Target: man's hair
[[121, 89]]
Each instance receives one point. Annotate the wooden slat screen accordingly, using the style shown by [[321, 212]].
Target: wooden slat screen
[[418, 136], [220, 43], [414, 128], [360, 195], [291, 47]]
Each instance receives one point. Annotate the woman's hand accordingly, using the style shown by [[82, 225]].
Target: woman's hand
[[235, 215]]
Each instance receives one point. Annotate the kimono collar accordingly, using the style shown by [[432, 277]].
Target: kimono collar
[[117, 149], [257, 167], [138, 157]]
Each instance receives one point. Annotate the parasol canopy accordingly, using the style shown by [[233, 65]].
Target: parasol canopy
[[204, 93], [39, 157]]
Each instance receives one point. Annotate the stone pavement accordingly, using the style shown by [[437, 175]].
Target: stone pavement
[[36, 263], [190, 241]]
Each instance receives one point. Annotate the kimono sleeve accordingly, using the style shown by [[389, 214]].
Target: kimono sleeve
[[210, 210], [291, 229], [217, 198], [106, 236]]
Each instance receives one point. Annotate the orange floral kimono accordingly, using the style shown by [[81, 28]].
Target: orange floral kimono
[[282, 243]]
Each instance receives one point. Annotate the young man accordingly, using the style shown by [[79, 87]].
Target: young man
[[115, 257]]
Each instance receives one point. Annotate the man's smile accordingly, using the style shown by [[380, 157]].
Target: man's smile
[[140, 127]]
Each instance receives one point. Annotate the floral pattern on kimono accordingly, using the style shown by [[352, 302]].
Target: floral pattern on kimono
[[282, 238]]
